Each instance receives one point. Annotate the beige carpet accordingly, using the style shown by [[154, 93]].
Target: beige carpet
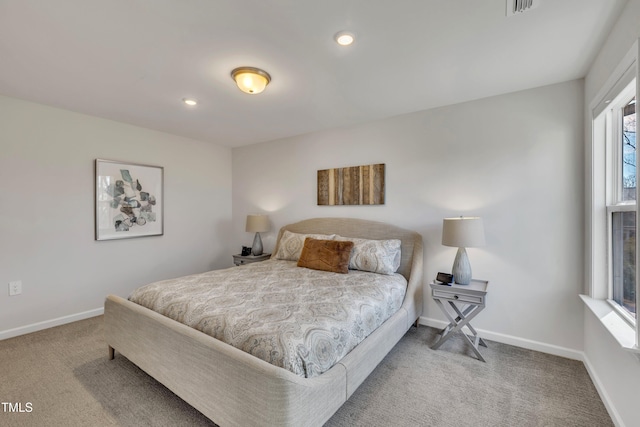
[[65, 375]]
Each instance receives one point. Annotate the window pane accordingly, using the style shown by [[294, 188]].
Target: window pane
[[629, 151], [624, 260]]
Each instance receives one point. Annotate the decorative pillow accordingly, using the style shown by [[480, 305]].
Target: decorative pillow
[[326, 255], [290, 245], [376, 256]]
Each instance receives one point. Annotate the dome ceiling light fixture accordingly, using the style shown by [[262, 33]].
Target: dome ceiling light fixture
[[251, 80], [190, 102]]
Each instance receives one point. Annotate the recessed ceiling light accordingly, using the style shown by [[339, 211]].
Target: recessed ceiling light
[[190, 102], [344, 38]]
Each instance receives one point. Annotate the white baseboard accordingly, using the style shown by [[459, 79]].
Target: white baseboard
[[604, 396], [34, 327], [515, 341]]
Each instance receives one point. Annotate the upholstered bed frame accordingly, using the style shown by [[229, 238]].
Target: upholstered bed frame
[[233, 388]]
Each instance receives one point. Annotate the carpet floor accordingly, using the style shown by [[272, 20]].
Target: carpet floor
[[61, 377]]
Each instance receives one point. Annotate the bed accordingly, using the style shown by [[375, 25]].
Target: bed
[[233, 387]]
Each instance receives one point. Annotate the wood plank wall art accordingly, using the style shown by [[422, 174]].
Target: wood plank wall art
[[355, 185]]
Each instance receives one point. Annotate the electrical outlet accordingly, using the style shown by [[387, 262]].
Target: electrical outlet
[[15, 288]]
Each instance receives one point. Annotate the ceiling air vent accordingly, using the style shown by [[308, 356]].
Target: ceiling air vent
[[515, 7]]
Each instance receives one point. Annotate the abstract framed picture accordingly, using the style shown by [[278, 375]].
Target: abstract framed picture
[[355, 185], [129, 200]]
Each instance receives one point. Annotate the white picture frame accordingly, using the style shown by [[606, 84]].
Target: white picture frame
[[129, 200]]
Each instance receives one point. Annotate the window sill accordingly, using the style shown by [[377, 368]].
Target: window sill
[[624, 333]]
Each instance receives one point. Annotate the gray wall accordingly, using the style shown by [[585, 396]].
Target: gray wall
[[47, 210], [516, 160]]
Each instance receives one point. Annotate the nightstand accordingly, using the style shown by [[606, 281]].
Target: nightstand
[[467, 301], [248, 259]]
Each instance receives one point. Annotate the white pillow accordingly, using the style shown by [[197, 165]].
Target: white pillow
[[290, 245], [376, 256]]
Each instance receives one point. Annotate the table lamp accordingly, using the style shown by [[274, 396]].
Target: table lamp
[[462, 232], [257, 224]]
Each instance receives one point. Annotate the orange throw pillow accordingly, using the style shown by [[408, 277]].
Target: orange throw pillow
[[326, 255]]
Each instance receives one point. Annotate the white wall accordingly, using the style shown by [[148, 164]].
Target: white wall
[[47, 212], [615, 371], [516, 160]]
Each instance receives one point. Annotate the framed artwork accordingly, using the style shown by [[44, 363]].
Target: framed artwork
[[129, 200], [355, 185]]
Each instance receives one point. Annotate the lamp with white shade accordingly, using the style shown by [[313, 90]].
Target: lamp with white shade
[[462, 232], [257, 224]]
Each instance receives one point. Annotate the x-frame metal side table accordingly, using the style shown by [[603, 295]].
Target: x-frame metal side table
[[467, 302]]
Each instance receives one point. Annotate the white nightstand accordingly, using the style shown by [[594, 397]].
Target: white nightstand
[[467, 301], [248, 259]]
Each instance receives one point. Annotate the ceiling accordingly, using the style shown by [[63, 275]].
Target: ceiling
[[134, 61]]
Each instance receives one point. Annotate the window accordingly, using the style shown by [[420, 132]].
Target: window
[[620, 138], [613, 292]]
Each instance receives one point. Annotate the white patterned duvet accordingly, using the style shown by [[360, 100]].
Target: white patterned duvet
[[298, 319]]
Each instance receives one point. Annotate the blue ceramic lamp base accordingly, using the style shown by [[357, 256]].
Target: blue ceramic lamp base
[[461, 268], [256, 248]]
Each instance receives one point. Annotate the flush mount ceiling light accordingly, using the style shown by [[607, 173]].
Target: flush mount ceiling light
[[251, 80], [344, 38], [190, 102]]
